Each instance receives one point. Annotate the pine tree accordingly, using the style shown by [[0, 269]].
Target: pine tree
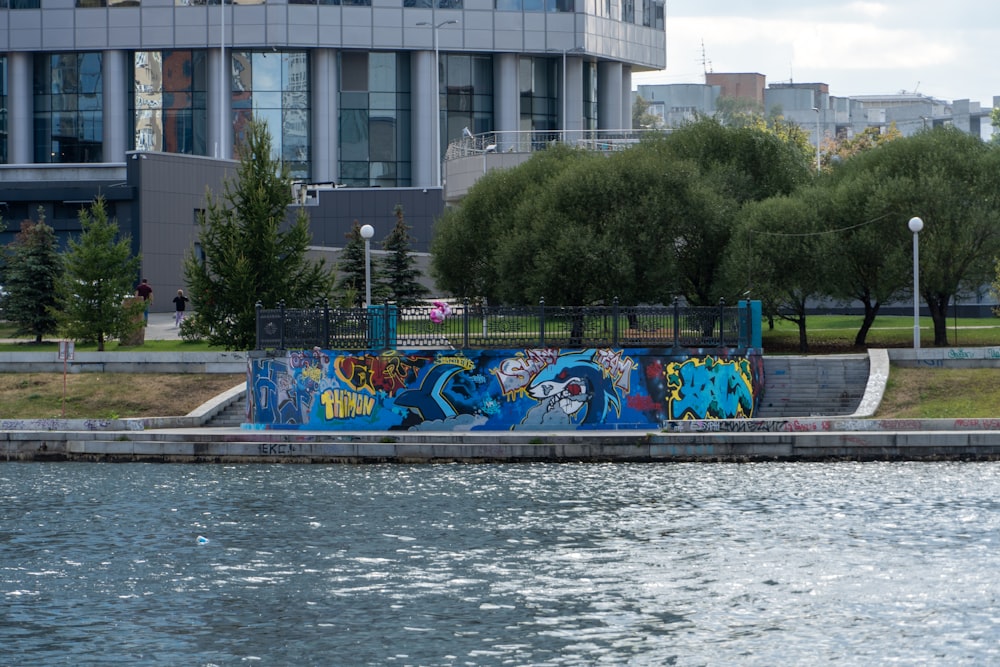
[[33, 269], [99, 276], [399, 277], [352, 268], [248, 252]]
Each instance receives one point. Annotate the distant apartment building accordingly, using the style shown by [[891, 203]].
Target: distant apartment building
[[811, 106]]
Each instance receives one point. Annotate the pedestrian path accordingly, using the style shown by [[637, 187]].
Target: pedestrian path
[[161, 327]]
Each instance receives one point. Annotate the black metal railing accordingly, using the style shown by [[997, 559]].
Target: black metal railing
[[471, 326]]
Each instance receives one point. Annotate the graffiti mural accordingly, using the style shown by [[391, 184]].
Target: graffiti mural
[[539, 389]]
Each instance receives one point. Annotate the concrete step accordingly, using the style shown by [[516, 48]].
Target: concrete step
[[233, 415], [797, 386]]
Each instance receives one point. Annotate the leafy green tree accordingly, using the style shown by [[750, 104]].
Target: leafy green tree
[[400, 278], [249, 252], [870, 257], [951, 180], [641, 118], [99, 274], [351, 268], [782, 248], [463, 251], [33, 269]]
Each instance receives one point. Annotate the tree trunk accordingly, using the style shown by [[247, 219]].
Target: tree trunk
[[938, 306], [871, 311], [803, 339]]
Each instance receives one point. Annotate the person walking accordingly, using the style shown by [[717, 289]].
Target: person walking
[[180, 303], [145, 290]]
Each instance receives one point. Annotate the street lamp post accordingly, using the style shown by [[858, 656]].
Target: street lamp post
[[817, 110], [436, 134], [915, 225], [367, 232]]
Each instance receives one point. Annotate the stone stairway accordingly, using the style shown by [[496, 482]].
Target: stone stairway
[[233, 415], [797, 386]]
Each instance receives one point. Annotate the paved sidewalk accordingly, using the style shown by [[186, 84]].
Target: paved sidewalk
[[161, 327]]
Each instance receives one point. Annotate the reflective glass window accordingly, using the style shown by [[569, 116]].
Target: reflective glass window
[[169, 94], [274, 87], [374, 122], [68, 102], [539, 84], [3, 109], [468, 95]]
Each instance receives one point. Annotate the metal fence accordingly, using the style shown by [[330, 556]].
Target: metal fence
[[472, 326]]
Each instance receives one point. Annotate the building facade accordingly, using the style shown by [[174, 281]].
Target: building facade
[[363, 94], [810, 105]]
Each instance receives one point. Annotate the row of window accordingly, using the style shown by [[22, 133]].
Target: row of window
[[170, 108], [627, 9]]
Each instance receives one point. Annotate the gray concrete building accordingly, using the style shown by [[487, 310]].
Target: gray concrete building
[[144, 101]]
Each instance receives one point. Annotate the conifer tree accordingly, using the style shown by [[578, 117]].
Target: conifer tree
[[351, 268], [33, 268], [249, 253], [399, 277], [99, 275]]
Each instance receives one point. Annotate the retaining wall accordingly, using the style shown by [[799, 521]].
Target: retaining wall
[[500, 390]]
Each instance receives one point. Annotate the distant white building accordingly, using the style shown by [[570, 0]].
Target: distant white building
[[811, 106]]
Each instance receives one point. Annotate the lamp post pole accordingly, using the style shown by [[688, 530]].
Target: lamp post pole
[[436, 134], [915, 225], [367, 232], [817, 110], [221, 148]]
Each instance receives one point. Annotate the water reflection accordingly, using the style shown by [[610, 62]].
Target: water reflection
[[644, 564]]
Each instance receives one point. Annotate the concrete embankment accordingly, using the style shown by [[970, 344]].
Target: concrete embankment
[[799, 440]]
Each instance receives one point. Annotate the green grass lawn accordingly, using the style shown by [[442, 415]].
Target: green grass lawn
[[832, 333]]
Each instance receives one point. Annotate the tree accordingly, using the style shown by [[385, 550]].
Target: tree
[[952, 181], [842, 149], [400, 279], [466, 236], [33, 269], [352, 268], [641, 118], [782, 251], [99, 274], [249, 252]]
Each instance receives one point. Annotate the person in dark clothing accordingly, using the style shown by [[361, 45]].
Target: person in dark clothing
[[180, 302], [145, 290]]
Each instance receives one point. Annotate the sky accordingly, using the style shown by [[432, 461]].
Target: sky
[[948, 49]]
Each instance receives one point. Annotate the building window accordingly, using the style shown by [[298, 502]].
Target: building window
[[532, 5], [374, 119], [468, 95], [20, 4], [539, 79], [169, 96], [3, 109], [68, 103], [440, 4], [274, 87], [628, 11]]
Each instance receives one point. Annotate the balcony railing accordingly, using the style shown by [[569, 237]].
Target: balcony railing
[[530, 141], [473, 326]]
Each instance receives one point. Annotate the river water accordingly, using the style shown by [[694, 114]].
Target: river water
[[534, 564]]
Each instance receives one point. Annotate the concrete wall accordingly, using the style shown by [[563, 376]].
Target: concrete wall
[[498, 390]]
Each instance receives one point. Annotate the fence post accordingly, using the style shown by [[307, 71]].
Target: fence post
[[677, 322], [257, 308], [541, 322], [465, 323], [385, 324], [281, 325], [614, 322], [722, 322], [326, 323]]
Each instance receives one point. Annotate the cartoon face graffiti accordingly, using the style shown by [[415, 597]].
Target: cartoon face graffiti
[[570, 393]]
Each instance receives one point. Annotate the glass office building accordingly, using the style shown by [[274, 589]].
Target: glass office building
[[347, 86]]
